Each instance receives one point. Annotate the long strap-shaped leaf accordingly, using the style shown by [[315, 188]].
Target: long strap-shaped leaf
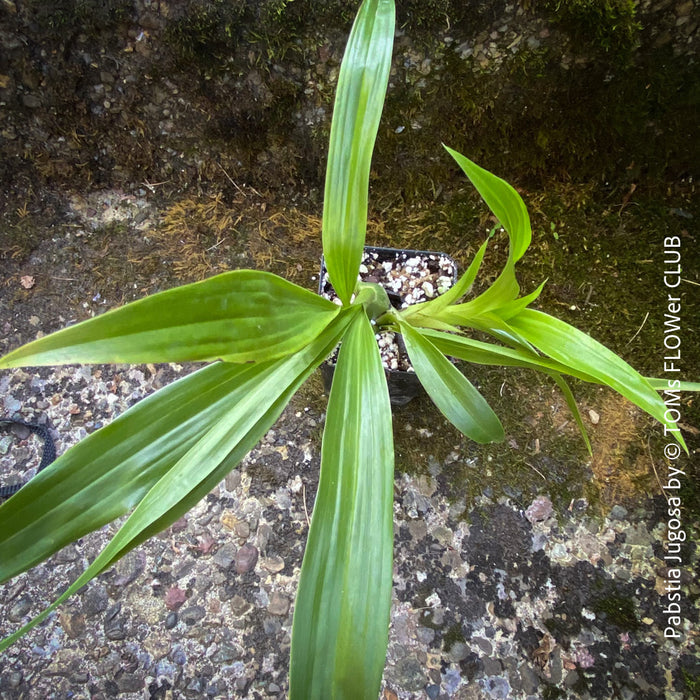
[[254, 405], [482, 353], [111, 470], [511, 212], [669, 384], [503, 200], [573, 407], [486, 353], [362, 84], [341, 617], [451, 391], [574, 348], [240, 316], [423, 314]]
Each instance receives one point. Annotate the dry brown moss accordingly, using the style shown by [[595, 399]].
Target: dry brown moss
[[622, 463], [191, 232], [287, 242]]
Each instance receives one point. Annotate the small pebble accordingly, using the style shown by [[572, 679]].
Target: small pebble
[[279, 604], [20, 608], [246, 559], [618, 513], [540, 509], [225, 555], [193, 614], [432, 691]]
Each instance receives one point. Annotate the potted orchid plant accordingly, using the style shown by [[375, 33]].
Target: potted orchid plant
[[264, 337]]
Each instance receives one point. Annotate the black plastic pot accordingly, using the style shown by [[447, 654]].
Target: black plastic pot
[[403, 384]]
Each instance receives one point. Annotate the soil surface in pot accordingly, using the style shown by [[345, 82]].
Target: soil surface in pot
[[409, 277]]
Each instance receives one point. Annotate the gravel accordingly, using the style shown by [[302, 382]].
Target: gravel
[[506, 601], [492, 597]]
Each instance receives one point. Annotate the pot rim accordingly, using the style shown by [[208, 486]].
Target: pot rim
[[403, 384]]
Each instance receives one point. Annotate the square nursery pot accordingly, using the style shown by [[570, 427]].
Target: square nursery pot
[[409, 277]]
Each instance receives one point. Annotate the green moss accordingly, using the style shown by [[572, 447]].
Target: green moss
[[210, 32], [452, 635], [421, 435], [618, 610], [86, 16], [205, 31], [689, 493], [551, 692], [612, 25], [296, 16], [22, 234], [531, 119], [624, 245], [692, 684], [313, 396]]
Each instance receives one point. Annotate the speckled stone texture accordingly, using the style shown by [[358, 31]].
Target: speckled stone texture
[[506, 600], [515, 598]]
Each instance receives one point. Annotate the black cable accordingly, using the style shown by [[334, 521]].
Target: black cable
[[48, 453]]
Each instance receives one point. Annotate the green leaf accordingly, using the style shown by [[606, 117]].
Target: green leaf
[[240, 316], [364, 75], [450, 390], [489, 312], [513, 308], [670, 385], [573, 407], [502, 291], [256, 400], [341, 616], [482, 353], [426, 310], [510, 210], [465, 282], [502, 199], [575, 349]]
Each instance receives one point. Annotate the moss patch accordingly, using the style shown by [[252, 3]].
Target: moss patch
[[198, 234], [576, 230], [288, 242], [618, 609], [613, 25]]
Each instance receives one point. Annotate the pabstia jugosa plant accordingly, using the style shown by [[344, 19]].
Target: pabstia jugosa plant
[[265, 336]]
